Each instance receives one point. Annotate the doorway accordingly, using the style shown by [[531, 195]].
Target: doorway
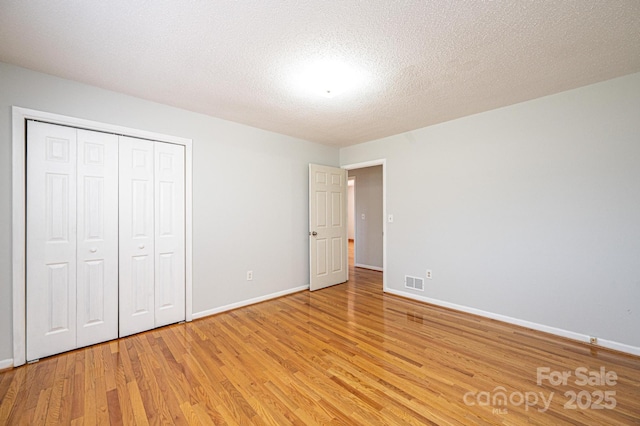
[[366, 216]]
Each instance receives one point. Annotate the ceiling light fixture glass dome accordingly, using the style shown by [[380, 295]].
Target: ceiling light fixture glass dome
[[329, 78]]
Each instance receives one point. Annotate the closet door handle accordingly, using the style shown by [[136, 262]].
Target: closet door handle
[[141, 246], [93, 250]]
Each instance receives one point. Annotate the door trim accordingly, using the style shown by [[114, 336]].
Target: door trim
[[355, 231], [381, 162], [18, 208]]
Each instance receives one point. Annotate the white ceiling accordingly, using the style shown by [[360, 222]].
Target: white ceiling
[[425, 62]]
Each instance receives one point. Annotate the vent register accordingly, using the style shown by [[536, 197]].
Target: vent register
[[415, 283]]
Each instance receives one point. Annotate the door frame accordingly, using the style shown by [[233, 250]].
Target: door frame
[[18, 208], [381, 162]]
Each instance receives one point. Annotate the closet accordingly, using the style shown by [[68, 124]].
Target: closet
[[105, 237]]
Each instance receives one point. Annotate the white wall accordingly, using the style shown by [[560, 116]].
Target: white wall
[[368, 202], [530, 211], [250, 190]]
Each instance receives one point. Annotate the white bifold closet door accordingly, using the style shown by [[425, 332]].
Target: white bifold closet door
[[152, 235], [105, 237], [72, 244], [97, 238], [170, 272]]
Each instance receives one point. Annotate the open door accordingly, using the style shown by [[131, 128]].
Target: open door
[[328, 244]]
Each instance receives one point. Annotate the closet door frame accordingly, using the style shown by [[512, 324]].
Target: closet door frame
[[18, 206]]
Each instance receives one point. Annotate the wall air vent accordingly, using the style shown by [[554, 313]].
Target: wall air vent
[[415, 283]]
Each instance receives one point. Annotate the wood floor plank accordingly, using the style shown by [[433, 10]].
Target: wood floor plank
[[124, 399], [139, 413], [13, 382], [348, 354], [57, 390]]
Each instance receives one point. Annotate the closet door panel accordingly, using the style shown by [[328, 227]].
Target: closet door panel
[[169, 234], [51, 239], [136, 235], [97, 237]]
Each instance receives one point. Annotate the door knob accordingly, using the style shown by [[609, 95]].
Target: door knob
[[314, 233], [141, 246], [93, 250]]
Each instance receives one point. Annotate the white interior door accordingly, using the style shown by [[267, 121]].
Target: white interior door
[[97, 237], [328, 244], [51, 239], [169, 234], [136, 235]]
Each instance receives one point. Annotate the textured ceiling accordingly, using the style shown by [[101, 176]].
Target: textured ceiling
[[425, 61]]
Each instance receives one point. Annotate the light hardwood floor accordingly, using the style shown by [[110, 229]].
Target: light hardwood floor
[[344, 355]]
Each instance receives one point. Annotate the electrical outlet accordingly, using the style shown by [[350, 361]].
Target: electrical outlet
[[249, 275], [593, 340], [429, 274]]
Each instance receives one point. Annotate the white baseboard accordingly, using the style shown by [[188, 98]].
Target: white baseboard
[[248, 302], [375, 268], [621, 347], [6, 363]]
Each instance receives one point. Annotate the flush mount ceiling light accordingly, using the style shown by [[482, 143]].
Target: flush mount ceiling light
[[329, 78]]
